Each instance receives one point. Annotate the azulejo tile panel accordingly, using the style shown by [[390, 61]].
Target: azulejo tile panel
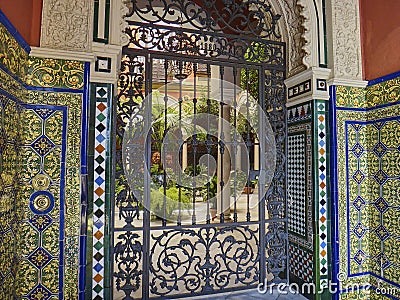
[[13, 57], [297, 190], [101, 130], [300, 199], [322, 204], [368, 156], [383, 93], [43, 222], [9, 179], [55, 73], [301, 263], [373, 216], [40, 149], [70, 184]]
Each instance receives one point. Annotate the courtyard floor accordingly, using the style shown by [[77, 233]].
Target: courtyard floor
[[250, 294]]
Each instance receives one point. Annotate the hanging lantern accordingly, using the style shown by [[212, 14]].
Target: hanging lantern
[[180, 69]]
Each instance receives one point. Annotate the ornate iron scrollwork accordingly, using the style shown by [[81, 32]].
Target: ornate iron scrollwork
[[130, 96], [200, 259], [204, 260], [128, 257], [253, 18], [204, 44]]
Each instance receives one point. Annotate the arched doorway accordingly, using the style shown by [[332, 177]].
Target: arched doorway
[[212, 237]]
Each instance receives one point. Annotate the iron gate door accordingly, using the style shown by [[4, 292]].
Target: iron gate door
[[200, 129]]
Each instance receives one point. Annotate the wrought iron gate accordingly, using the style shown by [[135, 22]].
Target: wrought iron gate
[[163, 248]]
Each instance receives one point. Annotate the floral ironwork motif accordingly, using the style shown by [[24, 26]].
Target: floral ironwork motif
[[131, 94], [254, 18], [128, 256], [200, 259], [195, 263], [203, 44]]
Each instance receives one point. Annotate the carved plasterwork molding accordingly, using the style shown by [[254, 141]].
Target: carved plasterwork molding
[[346, 41], [67, 25], [124, 10], [295, 42], [299, 30], [310, 34]]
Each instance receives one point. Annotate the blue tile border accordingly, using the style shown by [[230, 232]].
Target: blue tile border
[[384, 78], [14, 32], [334, 191], [53, 90], [84, 184]]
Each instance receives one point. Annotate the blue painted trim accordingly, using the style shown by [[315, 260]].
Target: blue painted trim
[[14, 32], [384, 78], [8, 72], [84, 188], [334, 191], [372, 122], [64, 109], [8, 95], [62, 210], [346, 124], [52, 90], [376, 276]]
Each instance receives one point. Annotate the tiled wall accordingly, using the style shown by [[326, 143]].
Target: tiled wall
[[43, 129], [307, 194], [367, 185], [12, 67], [60, 129], [100, 180]]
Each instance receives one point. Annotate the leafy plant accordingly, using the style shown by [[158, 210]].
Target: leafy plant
[[171, 201]]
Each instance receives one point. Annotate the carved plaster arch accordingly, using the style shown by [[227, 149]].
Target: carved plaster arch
[[299, 30]]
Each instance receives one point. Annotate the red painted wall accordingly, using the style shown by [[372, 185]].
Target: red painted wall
[[26, 16], [380, 32]]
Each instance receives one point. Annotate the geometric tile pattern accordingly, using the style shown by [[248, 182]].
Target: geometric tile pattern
[[368, 184], [99, 188], [301, 263], [321, 185], [42, 256], [300, 192], [297, 190], [299, 113], [41, 175], [378, 164], [62, 165]]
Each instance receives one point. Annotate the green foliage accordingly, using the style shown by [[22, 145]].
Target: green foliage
[[171, 201]]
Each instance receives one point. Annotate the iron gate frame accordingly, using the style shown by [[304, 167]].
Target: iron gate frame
[[272, 206]]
